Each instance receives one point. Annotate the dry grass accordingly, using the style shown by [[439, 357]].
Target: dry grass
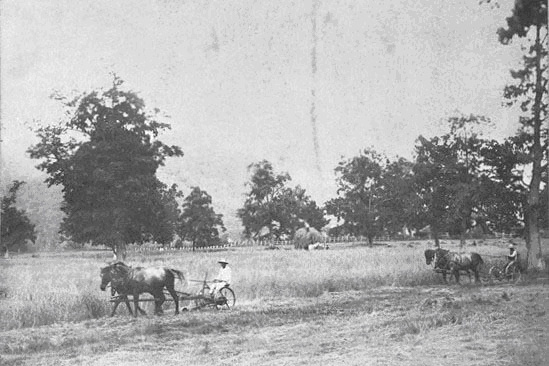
[[355, 305], [385, 325], [53, 287]]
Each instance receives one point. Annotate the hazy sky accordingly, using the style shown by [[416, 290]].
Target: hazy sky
[[250, 80]]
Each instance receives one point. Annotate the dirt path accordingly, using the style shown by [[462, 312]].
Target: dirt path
[[491, 325]]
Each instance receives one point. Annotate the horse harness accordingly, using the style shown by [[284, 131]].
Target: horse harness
[[437, 260]]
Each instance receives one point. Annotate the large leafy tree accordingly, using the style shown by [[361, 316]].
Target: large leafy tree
[[400, 203], [503, 193], [198, 222], [295, 208], [528, 26], [308, 211], [167, 213], [16, 227], [447, 176], [262, 199], [272, 208], [105, 155], [374, 195], [431, 183]]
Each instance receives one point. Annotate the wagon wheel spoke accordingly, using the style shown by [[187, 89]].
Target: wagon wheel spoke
[[514, 274], [226, 299], [494, 273]]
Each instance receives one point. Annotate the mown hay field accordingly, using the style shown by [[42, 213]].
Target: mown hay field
[[53, 287]]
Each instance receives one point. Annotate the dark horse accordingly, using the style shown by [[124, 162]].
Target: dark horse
[[117, 289], [126, 281], [453, 262]]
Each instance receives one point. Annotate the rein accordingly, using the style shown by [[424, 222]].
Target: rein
[[120, 276], [435, 258]]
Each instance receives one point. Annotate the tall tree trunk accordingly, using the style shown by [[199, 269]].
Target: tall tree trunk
[[533, 239], [434, 232], [463, 232], [122, 251], [119, 250], [533, 242]]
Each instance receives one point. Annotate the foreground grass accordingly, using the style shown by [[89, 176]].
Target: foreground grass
[[65, 286], [498, 325]]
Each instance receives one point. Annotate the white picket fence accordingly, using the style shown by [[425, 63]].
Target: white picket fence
[[187, 246], [349, 240]]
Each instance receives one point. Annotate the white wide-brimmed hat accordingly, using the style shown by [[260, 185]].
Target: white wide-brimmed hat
[[222, 261], [511, 246]]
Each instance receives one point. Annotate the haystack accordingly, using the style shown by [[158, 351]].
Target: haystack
[[305, 236]]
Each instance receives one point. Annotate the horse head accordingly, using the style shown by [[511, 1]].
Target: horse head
[[113, 272], [429, 256]]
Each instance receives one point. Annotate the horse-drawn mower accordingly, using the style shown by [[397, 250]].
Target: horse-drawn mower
[[224, 299]]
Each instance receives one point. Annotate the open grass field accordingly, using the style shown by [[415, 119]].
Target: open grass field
[[346, 305]]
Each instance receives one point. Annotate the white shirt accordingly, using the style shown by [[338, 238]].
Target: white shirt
[[224, 274]]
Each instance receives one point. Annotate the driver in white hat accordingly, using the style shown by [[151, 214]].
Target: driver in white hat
[[511, 257], [223, 277]]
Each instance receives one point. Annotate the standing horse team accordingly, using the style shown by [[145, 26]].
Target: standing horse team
[[453, 262], [126, 280]]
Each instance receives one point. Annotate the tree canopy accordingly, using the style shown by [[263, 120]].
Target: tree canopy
[[272, 208], [458, 181], [16, 227], [198, 222], [448, 173], [374, 195], [105, 154]]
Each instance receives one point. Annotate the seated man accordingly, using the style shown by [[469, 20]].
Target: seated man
[[222, 279], [512, 258]]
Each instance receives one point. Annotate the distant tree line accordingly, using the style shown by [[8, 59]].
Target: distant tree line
[[457, 182]]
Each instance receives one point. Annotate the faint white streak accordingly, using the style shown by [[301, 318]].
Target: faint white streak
[[316, 146], [214, 46]]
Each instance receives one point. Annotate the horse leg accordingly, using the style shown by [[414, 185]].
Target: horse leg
[[159, 299], [118, 301], [135, 303], [456, 273], [138, 308], [113, 294], [477, 275], [143, 312], [128, 304], [171, 289], [175, 299]]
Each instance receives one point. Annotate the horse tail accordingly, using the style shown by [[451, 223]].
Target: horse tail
[[178, 274]]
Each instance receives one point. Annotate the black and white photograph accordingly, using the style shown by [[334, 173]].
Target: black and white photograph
[[258, 182]]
